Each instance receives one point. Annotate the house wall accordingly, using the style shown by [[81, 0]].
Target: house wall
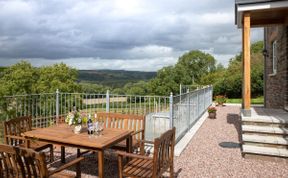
[[276, 85]]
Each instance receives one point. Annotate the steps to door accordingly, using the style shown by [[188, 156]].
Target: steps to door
[[280, 152], [266, 136]]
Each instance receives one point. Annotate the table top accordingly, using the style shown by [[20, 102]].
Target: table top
[[63, 134]]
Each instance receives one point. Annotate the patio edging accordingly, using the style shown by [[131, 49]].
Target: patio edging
[[182, 144]]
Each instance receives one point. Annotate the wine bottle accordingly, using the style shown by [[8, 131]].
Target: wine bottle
[[90, 125]]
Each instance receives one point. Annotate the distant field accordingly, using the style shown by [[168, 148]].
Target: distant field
[[258, 100]]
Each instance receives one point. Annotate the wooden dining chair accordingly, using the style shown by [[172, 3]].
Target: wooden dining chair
[[13, 130], [27, 163], [127, 122], [146, 166]]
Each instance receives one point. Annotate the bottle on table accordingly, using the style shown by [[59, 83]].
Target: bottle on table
[[90, 125]]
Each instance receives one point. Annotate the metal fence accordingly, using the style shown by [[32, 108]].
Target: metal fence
[[159, 110], [189, 107]]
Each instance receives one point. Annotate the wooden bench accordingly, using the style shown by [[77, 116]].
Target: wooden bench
[[23, 162], [146, 166], [128, 122], [13, 130]]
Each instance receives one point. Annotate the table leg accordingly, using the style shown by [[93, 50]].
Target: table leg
[[129, 144], [101, 163], [62, 154], [27, 143]]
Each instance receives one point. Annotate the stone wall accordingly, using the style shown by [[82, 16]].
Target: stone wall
[[276, 85]]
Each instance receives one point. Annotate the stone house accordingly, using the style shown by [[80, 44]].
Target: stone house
[[276, 67], [264, 130]]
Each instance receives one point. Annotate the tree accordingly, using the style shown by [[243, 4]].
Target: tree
[[57, 76], [166, 81], [19, 78], [139, 88], [229, 81], [195, 64], [189, 69], [93, 88]]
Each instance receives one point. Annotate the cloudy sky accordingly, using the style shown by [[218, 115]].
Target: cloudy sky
[[116, 34]]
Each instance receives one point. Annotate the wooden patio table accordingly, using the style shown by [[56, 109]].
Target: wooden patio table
[[63, 134]]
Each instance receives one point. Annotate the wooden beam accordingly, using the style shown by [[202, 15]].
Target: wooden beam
[[246, 86], [267, 22]]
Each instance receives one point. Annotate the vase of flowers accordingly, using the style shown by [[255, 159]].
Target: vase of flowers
[[76, 119], [212, 112]]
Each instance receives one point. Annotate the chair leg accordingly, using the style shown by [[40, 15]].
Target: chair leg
[[171, 171], [51, 153], [120, 167], [62, 154]]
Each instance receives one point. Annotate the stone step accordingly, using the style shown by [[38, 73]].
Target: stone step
[[267, 119], [281, 152], [264, 129], [265, 139]]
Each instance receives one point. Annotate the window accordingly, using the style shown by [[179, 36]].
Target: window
[[274, 57]]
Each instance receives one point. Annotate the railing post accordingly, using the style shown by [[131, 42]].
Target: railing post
[[211, 93], [180, 92], [171, 110], [57, 106], [205, 98], [107, 101], [198, 92], [189, 109]]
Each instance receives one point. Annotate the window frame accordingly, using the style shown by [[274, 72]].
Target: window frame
[[274, 57]]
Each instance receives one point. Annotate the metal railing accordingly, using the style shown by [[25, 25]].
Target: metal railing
[[189, 107], [161, 112]]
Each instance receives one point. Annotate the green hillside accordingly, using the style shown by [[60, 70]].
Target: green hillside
[[113, 78]]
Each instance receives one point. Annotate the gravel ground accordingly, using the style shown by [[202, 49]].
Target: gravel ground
[[213, 152]]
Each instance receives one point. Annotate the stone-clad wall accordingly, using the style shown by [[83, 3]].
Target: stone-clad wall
[[276, 85]]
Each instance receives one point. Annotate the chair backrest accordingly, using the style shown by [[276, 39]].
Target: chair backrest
[[15, 127], [123, 121], [163, 152], [22, 162]]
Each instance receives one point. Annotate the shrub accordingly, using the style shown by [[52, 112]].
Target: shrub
[[220, 99]]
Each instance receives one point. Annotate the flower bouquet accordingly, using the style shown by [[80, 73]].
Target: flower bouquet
[[75, 118]]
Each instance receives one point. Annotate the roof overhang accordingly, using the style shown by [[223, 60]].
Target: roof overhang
[[262, 13]]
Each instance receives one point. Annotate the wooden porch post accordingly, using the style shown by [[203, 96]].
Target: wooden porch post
[[246, 86]]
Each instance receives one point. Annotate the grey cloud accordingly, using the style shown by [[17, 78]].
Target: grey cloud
[[56, 30]]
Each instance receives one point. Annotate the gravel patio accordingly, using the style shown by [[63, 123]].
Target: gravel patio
[[213, 152]]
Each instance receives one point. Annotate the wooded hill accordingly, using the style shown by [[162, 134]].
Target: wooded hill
[[114, 78]]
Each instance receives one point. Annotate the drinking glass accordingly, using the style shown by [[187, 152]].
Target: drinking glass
[[101, 126], [96, 128]]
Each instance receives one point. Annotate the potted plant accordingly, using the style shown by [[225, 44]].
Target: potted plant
[[212, 112], [220, 100]]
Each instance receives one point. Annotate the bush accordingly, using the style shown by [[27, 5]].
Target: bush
[[220, 99]]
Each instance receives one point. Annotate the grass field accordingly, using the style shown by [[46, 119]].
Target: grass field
[[258, 100]]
